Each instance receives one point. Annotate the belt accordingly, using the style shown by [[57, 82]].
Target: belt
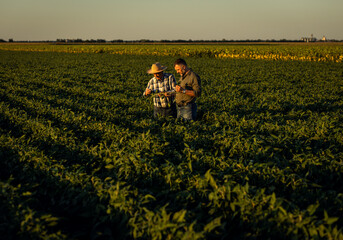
[[184, 104]]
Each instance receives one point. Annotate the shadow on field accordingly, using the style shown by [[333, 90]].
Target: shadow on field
[[288, 111], [93, 137], [324, 106], [81, 214], [50, 148], [307, 164]]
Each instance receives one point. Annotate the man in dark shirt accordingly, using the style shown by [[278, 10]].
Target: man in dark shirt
[[189, 89]]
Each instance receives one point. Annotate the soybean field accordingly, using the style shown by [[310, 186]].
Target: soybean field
[[81, 156]]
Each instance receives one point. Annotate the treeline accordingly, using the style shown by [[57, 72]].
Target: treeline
[[66, 41]]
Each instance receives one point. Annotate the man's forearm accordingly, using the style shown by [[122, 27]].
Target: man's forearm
[[189, 93]]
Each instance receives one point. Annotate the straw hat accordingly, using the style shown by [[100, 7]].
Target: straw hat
[[156, 68]]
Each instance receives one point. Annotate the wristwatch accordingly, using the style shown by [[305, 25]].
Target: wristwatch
[[184, 91]]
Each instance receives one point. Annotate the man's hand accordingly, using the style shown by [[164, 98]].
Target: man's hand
[[147, 92], [178, 88]]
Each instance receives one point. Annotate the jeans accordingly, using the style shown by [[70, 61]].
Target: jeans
[[187, 112], [164, 112]]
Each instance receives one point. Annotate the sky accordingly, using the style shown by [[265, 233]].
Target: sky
[[41, 20]]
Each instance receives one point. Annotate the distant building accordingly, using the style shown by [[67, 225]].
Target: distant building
[[324, 39], [309, 39]]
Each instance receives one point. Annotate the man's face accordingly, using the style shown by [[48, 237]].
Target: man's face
[[158, 75], [180, 69]]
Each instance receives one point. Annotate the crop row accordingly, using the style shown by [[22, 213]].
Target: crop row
[[316, 53]]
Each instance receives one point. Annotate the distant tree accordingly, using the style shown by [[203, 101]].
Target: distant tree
[[145, 41], [2, 40], [59, 40], [180, 41], [10, 40], [117, 41]]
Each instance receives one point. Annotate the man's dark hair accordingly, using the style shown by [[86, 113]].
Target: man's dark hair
[[180, 61]]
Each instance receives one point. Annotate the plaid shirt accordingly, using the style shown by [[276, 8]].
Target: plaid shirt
[[168, 83]]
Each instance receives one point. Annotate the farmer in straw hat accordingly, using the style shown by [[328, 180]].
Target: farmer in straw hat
[[163, 83]]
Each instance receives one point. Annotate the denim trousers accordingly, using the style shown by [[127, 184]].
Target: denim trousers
[[164, 112], [187, 112]]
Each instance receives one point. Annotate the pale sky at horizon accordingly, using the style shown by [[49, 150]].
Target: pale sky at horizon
[[170, 20]]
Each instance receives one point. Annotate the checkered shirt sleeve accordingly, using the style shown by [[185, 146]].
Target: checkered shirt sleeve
[[168, 83]]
